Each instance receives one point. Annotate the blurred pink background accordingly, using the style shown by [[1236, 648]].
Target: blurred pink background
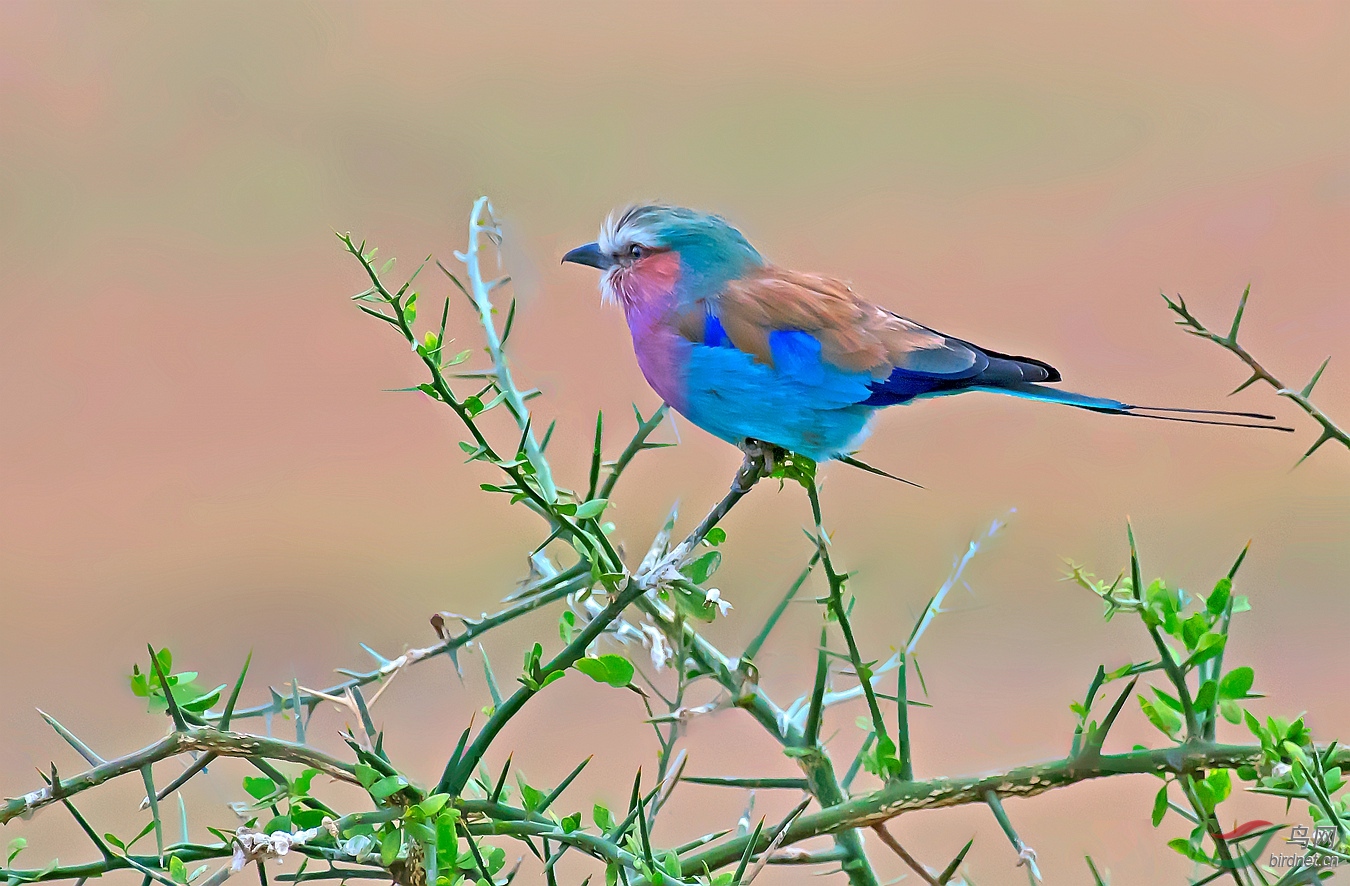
[[197, 450]]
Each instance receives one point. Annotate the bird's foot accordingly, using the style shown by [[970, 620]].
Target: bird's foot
[[760, 459]]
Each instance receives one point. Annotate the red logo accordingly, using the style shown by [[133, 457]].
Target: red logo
[[1243, 830]]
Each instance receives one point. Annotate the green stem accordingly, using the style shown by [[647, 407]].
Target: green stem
[[635, 445], [836, 583]]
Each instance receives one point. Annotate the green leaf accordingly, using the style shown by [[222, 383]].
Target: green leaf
[[715, 536], [447, 842], [1231, 710], [149, 826], [177, 871], [1168, 699], [1160, 805], [531, 798], [1254, 727], [14, 848], [1217, 601], [615, 670], [259, 788], [1193, 628], [1205, 698], [388, 786], [702, 567], [1210, 646], [795, 467], [592, 509], [433, 804], [692, 602], [1161, 716], [603, 818], [301, 784], [1220, 783], [367, 775], [570, 823], [390, 843], [203, 703], [1185, 848], [1236, 683]]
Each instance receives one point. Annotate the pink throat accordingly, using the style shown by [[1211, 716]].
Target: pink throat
[[648, 294]]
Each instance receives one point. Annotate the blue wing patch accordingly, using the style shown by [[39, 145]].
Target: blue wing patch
[[904, 385], [714, 336]]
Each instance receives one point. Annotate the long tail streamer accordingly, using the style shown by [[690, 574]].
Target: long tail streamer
[[1033, 391]]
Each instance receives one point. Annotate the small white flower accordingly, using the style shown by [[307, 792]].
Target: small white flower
[[1281, 770], [358, 847], [714, 598], [662, 654]]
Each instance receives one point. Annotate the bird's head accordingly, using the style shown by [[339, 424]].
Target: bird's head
[[666, 247]]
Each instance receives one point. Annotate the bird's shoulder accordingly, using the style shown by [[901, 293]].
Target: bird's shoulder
[[854, 334]]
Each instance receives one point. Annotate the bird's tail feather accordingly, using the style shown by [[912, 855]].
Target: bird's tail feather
[[1033, 391]]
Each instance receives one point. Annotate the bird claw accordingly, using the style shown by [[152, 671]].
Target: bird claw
[[757, 454]]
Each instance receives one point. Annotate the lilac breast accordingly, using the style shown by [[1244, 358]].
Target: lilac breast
[[661, 354]]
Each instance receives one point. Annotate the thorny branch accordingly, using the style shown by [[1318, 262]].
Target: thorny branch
[[1229, 342], [415, 835]]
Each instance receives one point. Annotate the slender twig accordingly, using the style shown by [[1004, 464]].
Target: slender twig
[[1229, 342], [762, 637], [544, 592], [638, 443], [910, 861], [482, 300], [1025, 854]]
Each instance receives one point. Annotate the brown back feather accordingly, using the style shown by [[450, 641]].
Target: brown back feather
[[854, 334]]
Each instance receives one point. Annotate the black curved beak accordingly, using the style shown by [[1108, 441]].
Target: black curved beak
[[591, 255]]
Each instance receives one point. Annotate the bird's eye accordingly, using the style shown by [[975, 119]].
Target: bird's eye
[[636, 251]]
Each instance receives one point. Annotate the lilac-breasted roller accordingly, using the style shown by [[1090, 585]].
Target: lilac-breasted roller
[[751, 352]]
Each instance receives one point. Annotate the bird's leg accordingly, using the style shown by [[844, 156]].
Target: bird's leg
[[760, 459]]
